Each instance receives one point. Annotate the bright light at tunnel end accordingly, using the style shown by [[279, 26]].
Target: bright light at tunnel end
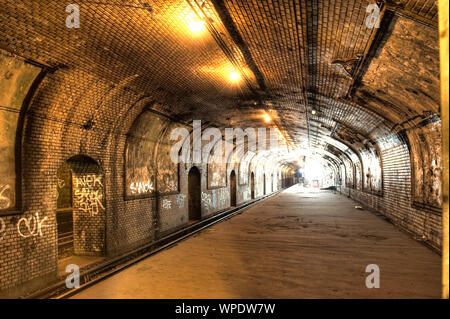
[[233, 148]]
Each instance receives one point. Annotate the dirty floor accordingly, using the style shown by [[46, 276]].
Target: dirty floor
[[298, 244]]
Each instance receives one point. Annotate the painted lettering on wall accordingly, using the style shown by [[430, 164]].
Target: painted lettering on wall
[[141, 188], [61, 183], [31, 226], [180, 200], [206, 200], [5, 202], [166, 204], [88, 194], [90, 181]]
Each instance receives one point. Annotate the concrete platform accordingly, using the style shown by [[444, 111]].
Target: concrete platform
[[297, 244]]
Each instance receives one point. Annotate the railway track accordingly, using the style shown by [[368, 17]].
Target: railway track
[[93, 274]]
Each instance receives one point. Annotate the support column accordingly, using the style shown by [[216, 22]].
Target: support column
[[443, 36]]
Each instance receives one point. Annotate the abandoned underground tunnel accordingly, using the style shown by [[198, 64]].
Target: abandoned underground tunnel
[[304, 143]]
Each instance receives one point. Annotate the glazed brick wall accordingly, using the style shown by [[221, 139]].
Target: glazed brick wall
[[395, 203], [55, 130], [74, 113], [88, 210]]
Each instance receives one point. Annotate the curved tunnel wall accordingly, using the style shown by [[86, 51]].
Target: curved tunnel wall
[[74, 112]]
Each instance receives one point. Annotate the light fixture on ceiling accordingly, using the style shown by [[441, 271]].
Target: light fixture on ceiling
[[313, 111], [267, 118], [196, 26], [235, 77]]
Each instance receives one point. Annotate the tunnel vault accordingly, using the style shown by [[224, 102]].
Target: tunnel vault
[[363, 101]]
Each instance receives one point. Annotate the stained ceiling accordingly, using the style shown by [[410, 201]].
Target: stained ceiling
[[314, 66]]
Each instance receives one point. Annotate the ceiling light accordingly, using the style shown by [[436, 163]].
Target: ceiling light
[[196, 26], [313, 112], [267, 118], [235, 76]]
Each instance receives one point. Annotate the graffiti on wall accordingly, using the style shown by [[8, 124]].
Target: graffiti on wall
[[64, 187], [180, 200], [166, 204], [207, 200], [89, 194], [31, 226], [217, 199], [5, 201], [140, 149], [141, 187], [148, 156]]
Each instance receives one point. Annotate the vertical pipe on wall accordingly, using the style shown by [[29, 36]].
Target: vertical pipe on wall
[[443, 36]]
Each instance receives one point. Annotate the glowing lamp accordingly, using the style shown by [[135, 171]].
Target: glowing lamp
[[235, 77], [196, 26]]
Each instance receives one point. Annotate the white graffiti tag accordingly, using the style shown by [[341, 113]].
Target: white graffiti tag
[[206, 199], [31, 226], [89, 199], [89, 181], [61, 183], [166, 204], [180, 200], [141, 187], [4, 200]]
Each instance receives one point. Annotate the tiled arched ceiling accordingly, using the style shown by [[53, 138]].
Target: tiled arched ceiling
[[294, 57]]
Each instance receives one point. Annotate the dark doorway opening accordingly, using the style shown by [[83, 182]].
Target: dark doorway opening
[[194, 194], [252, 185], [233, 188]]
